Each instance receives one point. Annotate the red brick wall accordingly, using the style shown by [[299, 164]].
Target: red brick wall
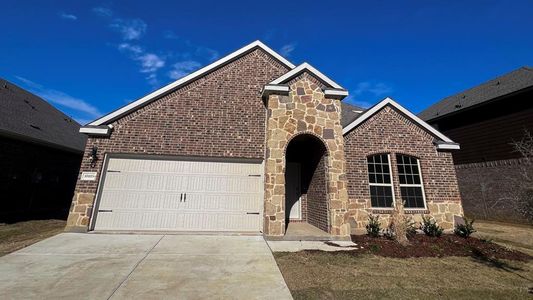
[[388, 131], [317, 202], [488, 189], [219, 115]]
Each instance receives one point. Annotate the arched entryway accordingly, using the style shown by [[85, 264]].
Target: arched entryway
[[306, 192]]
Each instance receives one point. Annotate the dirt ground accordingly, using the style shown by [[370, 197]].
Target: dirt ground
[[19, 235], [514, 236]]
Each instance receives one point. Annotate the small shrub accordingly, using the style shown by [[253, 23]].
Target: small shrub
[[373, 228], [375, 248], [430, 227], [410, 227], [466, 229]]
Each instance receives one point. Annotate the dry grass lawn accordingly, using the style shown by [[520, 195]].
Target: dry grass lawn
[[514, 236], [324, 275], [22, 234]]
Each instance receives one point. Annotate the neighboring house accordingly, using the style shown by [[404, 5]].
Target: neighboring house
[[486, 120], [40, 154], [253, 143]]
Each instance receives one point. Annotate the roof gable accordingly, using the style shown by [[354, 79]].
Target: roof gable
[[188, 79], [445, 142], [305, 67], [514, 81]]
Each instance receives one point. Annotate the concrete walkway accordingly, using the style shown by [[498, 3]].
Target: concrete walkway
[[113, 266]]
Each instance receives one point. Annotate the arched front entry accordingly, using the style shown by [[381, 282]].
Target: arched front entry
[[306, 183]]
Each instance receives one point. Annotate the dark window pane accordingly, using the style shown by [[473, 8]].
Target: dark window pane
[[381, 196], [412, 196], [386, 178]]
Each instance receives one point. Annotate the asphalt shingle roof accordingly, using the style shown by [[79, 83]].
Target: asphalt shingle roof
[[506, 84], [27, 116], [350, 113]]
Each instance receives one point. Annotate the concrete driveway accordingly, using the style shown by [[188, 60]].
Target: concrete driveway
[[126, 266]]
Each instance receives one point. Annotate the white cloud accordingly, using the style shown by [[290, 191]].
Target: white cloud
[[150, 63], [183, 68], [367, 90], [103, 11], [169, 34], [286, 50], [62, 99], [130, 29], [68, 16], [377, 89], [352, 100]]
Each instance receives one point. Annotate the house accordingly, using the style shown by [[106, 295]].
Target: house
[[253, 143], [486, 120], [40, 156]]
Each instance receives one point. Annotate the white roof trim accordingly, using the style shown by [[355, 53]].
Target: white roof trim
[[389, 101], [96, 130], [448, 146], [189, 78], [277, 88], [308, 67]]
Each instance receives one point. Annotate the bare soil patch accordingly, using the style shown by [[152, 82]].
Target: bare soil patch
[[22, 234], [446, 245]]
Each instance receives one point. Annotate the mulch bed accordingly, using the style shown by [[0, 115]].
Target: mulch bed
[[425, 246]]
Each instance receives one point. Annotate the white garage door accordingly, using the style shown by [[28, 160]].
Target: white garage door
[[169, 195]]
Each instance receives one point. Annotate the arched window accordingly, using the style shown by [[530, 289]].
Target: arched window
[[411, 185], [380, 181]]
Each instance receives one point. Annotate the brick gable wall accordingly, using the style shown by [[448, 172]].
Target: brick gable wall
[[218, 115], [388, 131]]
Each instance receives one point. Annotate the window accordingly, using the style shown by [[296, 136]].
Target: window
[[411, 187], [379, 179]]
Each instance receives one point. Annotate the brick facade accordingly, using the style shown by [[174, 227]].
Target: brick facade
[[487, 189], [218, 115], [222, 114], [317, 197], [388, 131]]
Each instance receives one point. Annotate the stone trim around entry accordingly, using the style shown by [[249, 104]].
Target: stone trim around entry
[[305, 110]]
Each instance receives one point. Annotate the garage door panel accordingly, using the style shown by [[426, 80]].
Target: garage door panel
[[143, 194]]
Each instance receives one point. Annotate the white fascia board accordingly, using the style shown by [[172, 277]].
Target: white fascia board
[[189, 78], [95, 130], [276, 88], [389, 101], [311, 69], [448, 146], [336, 93], [273, 89]]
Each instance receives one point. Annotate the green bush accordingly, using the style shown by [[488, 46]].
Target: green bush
[[430, 227], [466, 229], [373, 228]]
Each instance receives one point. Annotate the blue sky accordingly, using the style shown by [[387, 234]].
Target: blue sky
[[88, 58]]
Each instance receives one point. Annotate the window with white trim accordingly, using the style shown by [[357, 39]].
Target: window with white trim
[[380, 181], [411, 185]]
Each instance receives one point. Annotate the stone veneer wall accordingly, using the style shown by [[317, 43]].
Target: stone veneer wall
[[218, 115], [317, 197], [388, 131], [488, 187], [304, 111]]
